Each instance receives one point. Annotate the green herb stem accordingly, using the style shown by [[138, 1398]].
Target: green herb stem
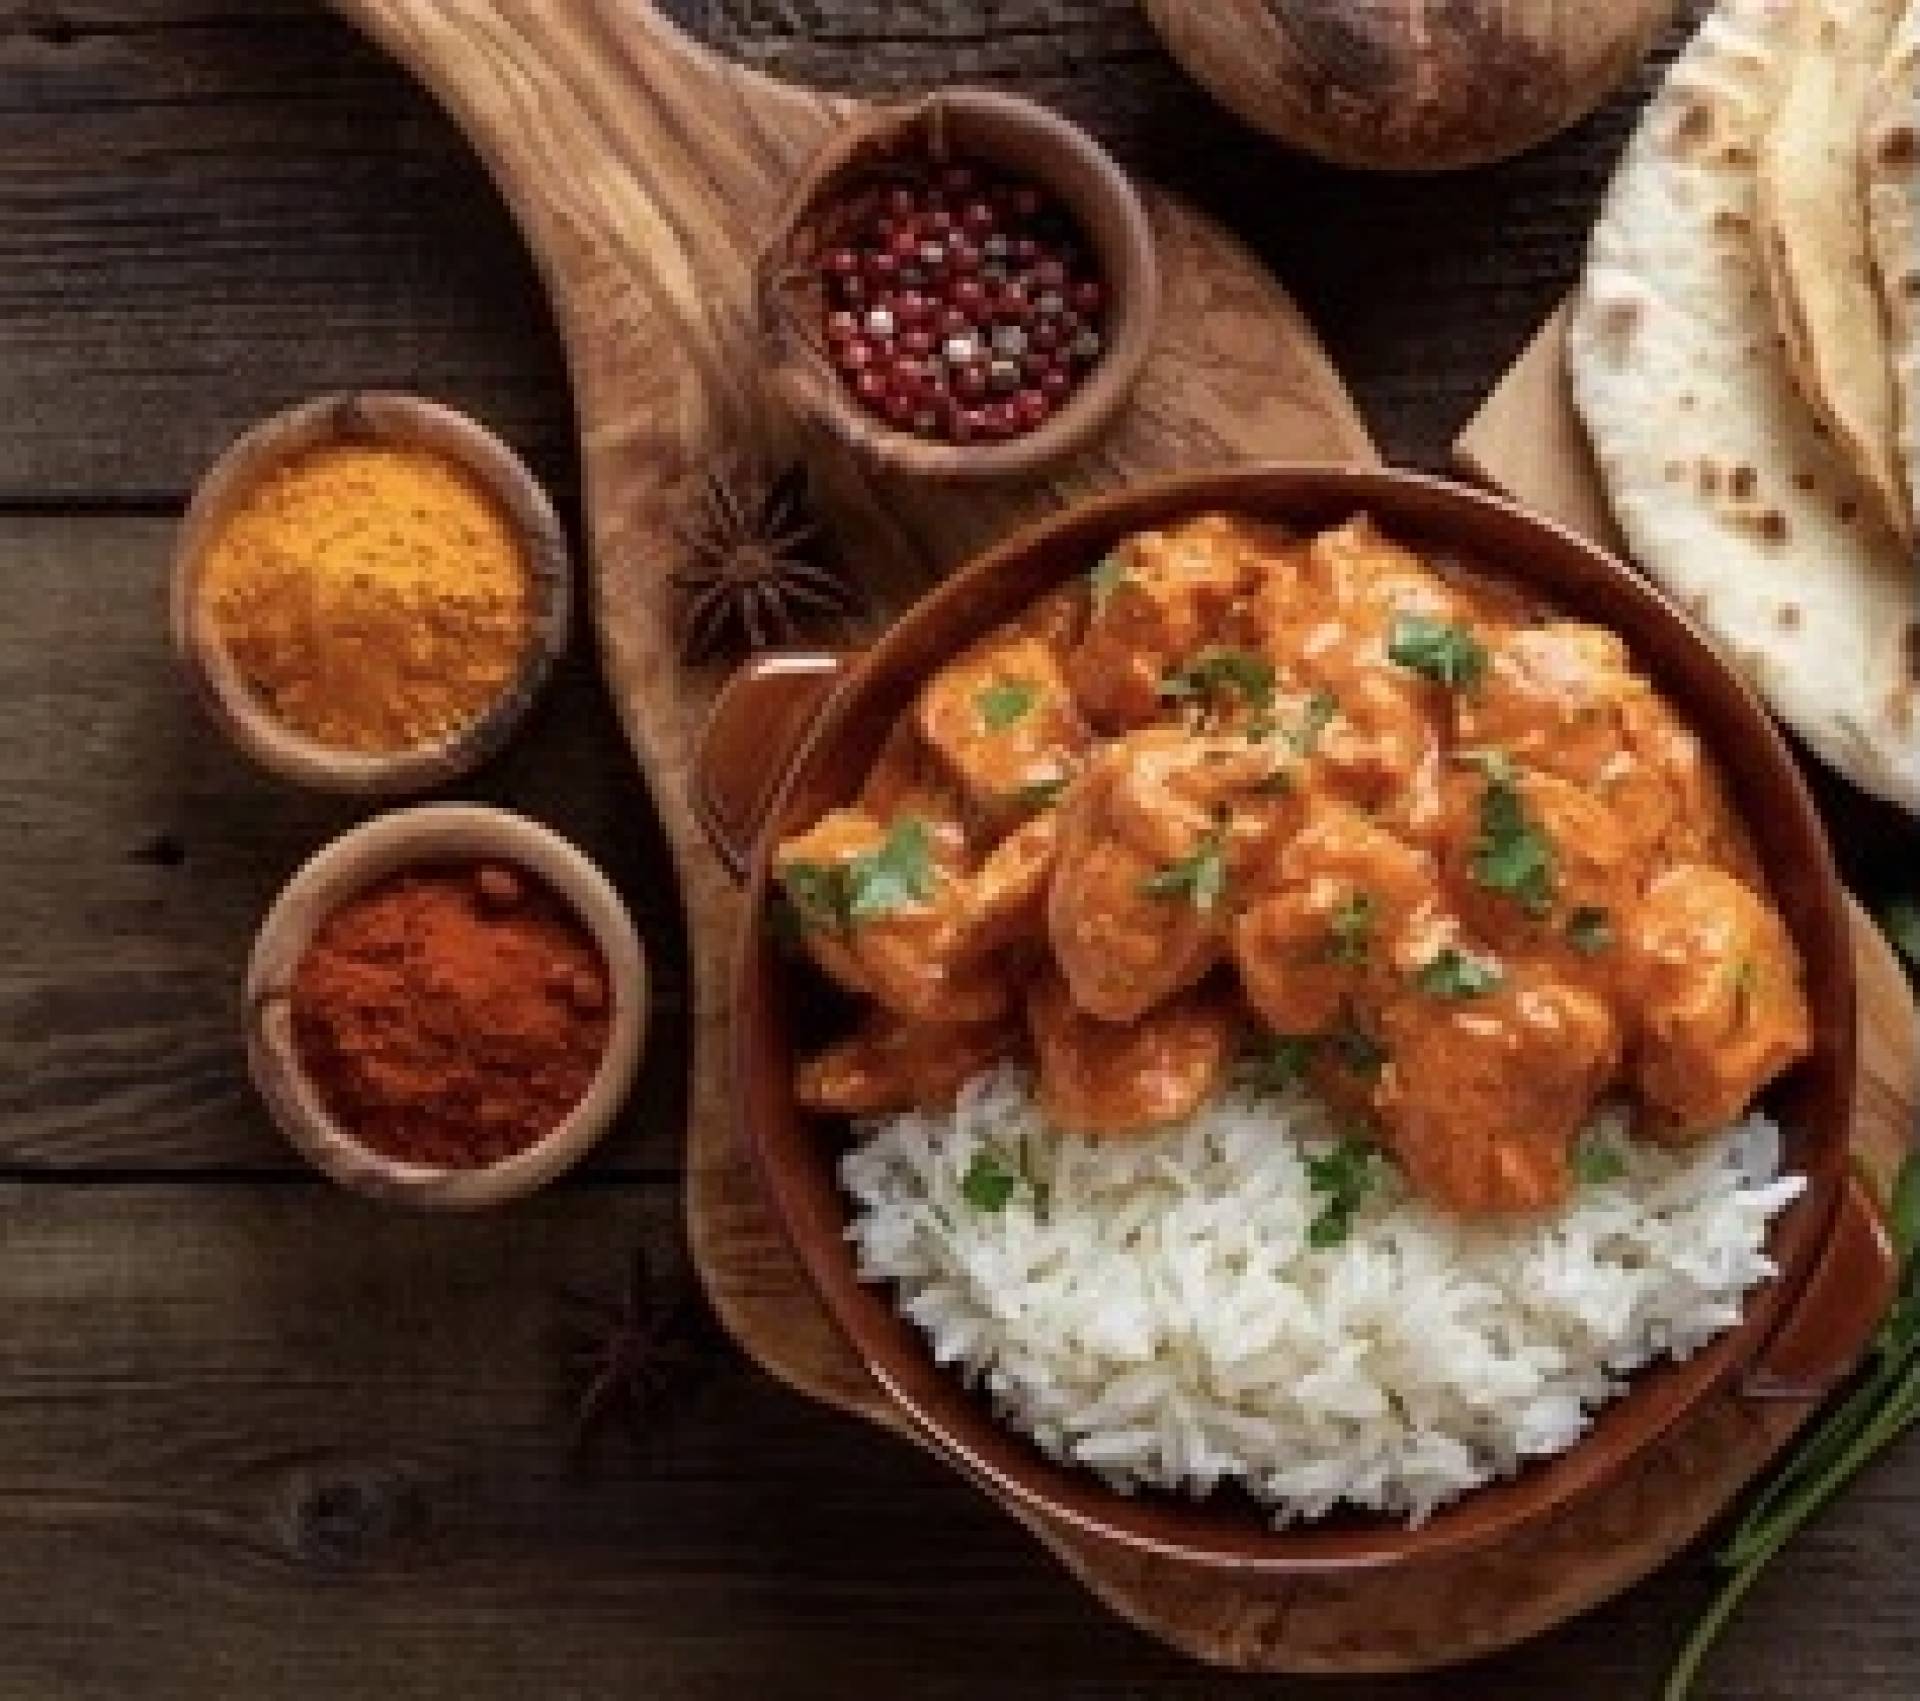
[[1686, 1667], [1794, 1517], [1819, 1452], [1882, 1405]]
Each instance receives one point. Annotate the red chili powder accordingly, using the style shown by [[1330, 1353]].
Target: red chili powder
[[451, 1016]]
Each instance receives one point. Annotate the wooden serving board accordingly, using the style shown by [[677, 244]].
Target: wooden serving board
[[643, 170]]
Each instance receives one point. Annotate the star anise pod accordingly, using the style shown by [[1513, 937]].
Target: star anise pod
[[627, 1351], [755, 573]]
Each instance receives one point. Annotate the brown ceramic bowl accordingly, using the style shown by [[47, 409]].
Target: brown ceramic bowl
[[437, 833], [959, 124], [1801, 1332], [372, 417]]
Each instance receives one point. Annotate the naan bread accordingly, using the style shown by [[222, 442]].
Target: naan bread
[[1892, 156], [1812, 202], [1730, 493]]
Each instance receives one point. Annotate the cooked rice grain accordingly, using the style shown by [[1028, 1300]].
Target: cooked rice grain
[[1151, 1308]]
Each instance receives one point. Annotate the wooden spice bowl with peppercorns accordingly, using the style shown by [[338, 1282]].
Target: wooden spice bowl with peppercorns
[[964, 287], [445, 1007]]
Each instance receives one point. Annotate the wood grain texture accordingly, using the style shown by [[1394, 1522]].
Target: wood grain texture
[[140, 853], [1397, 85]]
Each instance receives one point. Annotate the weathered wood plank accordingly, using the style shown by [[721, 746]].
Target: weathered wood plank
[[282, 1443], [213, 213], [200, 223], [140, 853]]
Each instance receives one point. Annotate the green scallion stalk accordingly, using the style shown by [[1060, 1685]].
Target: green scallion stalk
[[1891, 1421], [1813, 1457], [1881, 1407]]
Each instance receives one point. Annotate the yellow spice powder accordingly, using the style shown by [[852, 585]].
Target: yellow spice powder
[[375, 598]]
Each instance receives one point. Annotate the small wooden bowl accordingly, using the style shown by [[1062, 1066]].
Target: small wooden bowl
[[1398, 85], [369, 417], [959, 124], [390, 844]]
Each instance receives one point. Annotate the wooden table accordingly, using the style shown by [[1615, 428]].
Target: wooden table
[[257, 1439]]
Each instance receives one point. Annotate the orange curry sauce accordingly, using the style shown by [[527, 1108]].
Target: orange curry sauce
[[1355, 809]]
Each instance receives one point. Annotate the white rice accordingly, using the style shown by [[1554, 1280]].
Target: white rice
[[1151, 1308]]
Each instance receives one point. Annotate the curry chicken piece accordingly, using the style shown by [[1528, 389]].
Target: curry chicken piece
[[1350, 908], [1003, 721], [1099, 1078], [1368, 578], [1009, 891], [1481, 1100], [1327, 607], [1166, 789], [1380, 749], [1328, 624], [917, 956], [1672, 783], [887, 1065], [1057, 619], [1718, 1004], [1596, 869], [1562, 697], [1159, 599], [907, 779], [1137, 906], [1550, 696]]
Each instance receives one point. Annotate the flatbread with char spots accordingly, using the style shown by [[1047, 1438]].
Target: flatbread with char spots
[[1731, 492]]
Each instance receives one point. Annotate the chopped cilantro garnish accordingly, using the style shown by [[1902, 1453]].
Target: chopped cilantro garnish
[[1322, 706], [899, 873], [1109, 573], [1594, 1163], [836, 895], [1216, 672], [1201, 878], [1274, 1062], [817, 892], [1344, 1176], [1436, 649], [1006, 701], [988, 1183], [1590, 930], [1453, 974], [1350, 929], [1511, 854]]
